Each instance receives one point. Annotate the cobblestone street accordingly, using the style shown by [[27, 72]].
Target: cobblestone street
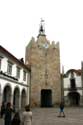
[[48, 116], [43, 116]]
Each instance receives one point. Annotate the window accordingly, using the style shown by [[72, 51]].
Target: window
[[9, 68], [18, 72], [24, 75], [73, 85]]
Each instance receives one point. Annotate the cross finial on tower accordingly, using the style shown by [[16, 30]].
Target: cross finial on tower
[[41, 28]]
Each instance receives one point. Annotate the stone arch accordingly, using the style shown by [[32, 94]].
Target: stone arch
[[23, 99], [7, 93], [74, 98], [16, 97]]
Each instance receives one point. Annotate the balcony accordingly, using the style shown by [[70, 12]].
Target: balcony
[[72, 89]]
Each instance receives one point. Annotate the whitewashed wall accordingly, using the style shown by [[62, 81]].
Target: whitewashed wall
[[13, 85], [66, 82]]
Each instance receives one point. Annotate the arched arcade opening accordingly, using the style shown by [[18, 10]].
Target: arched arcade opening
[[74, 98], [7, 94], [23, 99], [16, 98]]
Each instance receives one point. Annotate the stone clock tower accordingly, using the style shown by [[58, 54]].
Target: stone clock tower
[[44, 59]]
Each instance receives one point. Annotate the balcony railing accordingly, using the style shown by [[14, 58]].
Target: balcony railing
[[72, 88]]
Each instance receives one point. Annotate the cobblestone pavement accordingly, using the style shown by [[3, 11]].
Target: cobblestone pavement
[[48, 116]]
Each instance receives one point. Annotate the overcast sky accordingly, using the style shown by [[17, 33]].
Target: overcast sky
[[20, 19]]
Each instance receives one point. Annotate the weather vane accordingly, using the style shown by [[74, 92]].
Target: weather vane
[[42, 20], [42, 29]]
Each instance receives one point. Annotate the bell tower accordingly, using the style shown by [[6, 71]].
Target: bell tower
[[44, 59]]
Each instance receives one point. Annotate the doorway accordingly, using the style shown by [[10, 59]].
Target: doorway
[[46, 98], [74, 98]]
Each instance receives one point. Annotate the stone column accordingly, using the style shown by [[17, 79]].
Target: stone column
[[28, 96], [11, 99], [19, 106]]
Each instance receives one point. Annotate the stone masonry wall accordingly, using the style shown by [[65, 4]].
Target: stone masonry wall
[[45, 69]]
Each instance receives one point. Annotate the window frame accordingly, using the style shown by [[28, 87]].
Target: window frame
[[0, 61], [9, 68], [24, 75], [17, 72]]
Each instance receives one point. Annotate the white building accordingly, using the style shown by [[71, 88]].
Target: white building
[[73, 87], [14, 80]]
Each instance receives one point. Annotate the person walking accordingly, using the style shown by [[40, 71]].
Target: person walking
[[16, 119], [8, 114], [61, 112], [27, 116]]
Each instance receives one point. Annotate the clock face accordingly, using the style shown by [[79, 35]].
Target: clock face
[[45, 45]]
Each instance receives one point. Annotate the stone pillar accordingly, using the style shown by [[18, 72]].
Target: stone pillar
[[19, 106], [28, 97], [11, 99]]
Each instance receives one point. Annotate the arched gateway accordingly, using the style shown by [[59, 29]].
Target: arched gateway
[[74, 98]]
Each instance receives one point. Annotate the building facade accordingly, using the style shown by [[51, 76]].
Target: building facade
[[73, 87], [44, 59], [14, 80]]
